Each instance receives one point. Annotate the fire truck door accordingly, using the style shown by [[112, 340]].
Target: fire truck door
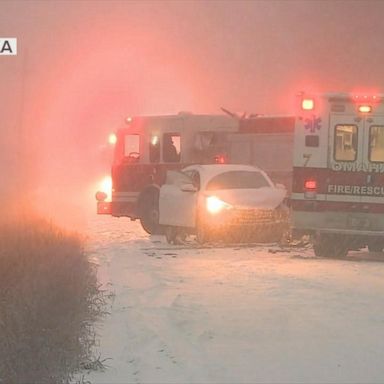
[[346, 146], [373, 159]]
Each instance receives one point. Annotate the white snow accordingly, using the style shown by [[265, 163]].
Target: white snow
[[235, 314]]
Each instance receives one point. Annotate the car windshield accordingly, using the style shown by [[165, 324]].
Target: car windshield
[[238, 180]]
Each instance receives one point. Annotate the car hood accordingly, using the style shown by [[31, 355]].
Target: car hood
[[265, 198]]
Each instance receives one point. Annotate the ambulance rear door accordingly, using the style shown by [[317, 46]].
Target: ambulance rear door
[[346, 151], [373, 161]]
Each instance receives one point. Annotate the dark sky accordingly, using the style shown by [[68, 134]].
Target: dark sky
[[82, 66]]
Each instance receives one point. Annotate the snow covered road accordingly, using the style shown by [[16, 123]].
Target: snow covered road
[[235, 314]]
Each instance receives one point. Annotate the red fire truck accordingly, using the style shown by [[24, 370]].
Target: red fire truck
[[148, 146], [338, 176]]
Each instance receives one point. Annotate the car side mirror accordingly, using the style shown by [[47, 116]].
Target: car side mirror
[[188, 188]]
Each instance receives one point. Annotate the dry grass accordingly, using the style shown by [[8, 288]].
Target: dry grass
[[49, 299]]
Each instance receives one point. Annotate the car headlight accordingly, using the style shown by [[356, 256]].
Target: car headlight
[[215, 205]]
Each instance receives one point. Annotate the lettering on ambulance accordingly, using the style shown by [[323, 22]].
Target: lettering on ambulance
[[355, 190], [354, 167]]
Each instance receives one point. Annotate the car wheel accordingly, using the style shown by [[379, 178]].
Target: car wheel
[[202, 235], [330, 246], [170, 234]]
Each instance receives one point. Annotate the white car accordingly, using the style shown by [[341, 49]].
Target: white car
[[223, 202]]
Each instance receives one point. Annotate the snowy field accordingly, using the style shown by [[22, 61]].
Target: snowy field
[[235, 314]]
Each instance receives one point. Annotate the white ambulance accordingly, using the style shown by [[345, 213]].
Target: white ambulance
[[338, 175]]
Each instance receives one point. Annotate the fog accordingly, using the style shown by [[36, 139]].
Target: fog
[[84, 66]]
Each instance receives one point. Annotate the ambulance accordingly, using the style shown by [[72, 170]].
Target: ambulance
[[146, 147], [338, 172]]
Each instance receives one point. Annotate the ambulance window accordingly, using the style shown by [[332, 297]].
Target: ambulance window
[[345, 144], [154, 149], [132, 146], [171, 147], [376, 143]]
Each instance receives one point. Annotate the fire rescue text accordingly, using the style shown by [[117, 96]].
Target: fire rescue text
[[355, 190]]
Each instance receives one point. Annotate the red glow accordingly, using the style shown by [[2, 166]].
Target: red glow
[[220, 159], [372, 98], [310, 185]]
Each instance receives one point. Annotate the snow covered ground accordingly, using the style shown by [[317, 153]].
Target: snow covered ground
[[235, 314]]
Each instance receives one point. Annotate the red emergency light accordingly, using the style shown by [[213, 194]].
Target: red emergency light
[[310, 185], [220, 159], [310, 189]]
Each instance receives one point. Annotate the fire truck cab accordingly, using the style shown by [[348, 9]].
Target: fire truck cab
[[148, 146], [338, 172]]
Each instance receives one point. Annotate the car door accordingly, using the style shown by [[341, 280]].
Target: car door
[[177, 205]]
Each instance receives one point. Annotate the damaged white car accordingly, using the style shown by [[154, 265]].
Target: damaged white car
[[222, 202]]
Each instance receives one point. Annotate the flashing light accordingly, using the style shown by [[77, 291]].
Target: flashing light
[[219, 159], [154, 140], [112, 138], [106, 188], [367, 98], [310, 185], [215, 205], [128, 120], [307, 104], [365, 108]]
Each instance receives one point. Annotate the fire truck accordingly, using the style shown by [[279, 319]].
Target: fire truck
[[338, 172], [148, 146]]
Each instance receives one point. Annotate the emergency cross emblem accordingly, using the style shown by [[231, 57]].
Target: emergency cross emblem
[[312, 124]]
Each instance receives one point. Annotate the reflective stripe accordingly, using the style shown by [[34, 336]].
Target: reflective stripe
[[121, 194], [346, 198]]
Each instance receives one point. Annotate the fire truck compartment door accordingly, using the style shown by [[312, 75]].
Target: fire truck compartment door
[[373, 159]]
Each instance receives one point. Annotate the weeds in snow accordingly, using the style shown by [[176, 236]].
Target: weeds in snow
[[49, 300]]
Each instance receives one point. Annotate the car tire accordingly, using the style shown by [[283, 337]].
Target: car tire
[[202, 235], [330, 246], [170, 234]]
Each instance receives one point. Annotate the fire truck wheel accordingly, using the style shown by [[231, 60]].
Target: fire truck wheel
[[331, 246], [149, 212]]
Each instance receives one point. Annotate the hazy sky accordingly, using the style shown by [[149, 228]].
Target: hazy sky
[[84, 65]]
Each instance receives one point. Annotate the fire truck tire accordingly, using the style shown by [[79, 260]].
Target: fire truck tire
[[330, 246], [149, 212]]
